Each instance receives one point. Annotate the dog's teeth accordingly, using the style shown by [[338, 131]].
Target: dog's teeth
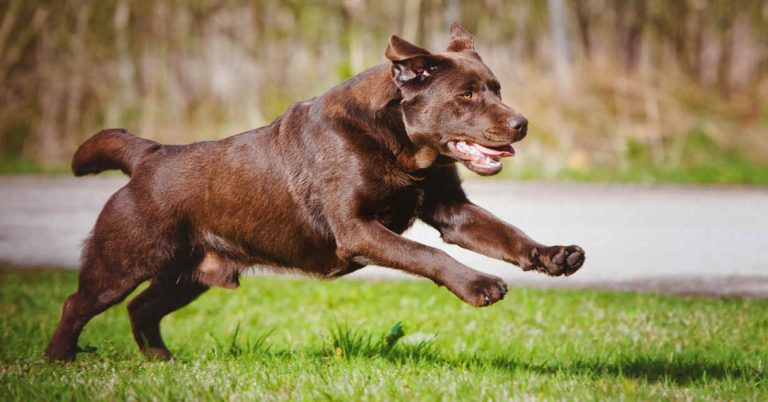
[[467, 149], [491, 161]]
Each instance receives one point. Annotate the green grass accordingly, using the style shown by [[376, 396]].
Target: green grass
[[739, 172], [692, 157], [280, 338], [15, 166]]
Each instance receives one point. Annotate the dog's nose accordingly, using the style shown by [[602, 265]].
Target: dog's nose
[[520, 125]]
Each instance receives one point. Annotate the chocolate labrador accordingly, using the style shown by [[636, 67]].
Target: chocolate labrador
[[326, 189]]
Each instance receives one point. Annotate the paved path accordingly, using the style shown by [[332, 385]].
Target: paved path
[[672, 239]]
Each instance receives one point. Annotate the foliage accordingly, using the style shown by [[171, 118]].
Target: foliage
[[637, 71]]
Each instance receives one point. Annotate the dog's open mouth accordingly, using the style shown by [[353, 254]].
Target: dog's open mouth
[[478, 158]]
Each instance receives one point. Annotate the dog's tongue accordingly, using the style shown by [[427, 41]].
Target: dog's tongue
[[502, 151]]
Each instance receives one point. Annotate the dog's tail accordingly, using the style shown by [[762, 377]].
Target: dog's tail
[[113, 148]]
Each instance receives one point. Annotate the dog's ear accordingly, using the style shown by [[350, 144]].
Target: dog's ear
[[461, 39], [400, 49], [409, 61]]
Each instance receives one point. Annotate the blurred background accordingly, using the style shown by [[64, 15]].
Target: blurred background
[[615, 90]]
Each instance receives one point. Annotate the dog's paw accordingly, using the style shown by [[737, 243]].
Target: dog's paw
[[157, 354], [56, 353], [556, 260], [482, 290]]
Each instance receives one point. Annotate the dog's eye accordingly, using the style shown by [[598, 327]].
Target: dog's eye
[[467, 95]]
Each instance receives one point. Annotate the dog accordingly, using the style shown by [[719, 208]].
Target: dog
[[325, 189]]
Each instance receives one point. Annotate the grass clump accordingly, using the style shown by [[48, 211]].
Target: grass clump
[[353, 343]]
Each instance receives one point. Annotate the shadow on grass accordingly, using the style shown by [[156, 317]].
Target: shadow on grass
[[678, 368], [648, 368], [682, 370]]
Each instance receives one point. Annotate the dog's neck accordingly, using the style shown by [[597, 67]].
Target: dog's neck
[[380, 97]]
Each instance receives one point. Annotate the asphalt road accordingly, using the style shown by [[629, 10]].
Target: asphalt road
[[700, 241]]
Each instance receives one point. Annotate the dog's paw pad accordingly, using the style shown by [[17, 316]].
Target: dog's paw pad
[[557, 260], [484, 291]]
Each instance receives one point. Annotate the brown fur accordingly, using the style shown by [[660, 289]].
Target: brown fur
[[326, 189]]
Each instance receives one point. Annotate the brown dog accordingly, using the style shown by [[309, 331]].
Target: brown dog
[[325, 189]]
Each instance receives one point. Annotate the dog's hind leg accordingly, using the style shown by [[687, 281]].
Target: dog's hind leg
[[161, 298], [127, 248], [92, 297]]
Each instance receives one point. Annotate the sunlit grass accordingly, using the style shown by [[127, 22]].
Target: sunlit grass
[[279, 338]]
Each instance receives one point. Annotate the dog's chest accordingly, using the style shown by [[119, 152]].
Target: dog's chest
[[399, 209]]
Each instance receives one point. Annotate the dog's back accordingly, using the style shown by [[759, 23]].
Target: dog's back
[[223, 205]]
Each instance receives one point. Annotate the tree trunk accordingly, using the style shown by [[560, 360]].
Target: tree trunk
[[561, 50]]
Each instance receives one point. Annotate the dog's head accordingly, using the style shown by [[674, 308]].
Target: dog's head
[[452, 102]]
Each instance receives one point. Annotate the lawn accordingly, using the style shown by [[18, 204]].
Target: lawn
[[286, 338]]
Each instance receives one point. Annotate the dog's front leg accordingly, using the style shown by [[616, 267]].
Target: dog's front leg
[[471, 227], [371, 241]]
